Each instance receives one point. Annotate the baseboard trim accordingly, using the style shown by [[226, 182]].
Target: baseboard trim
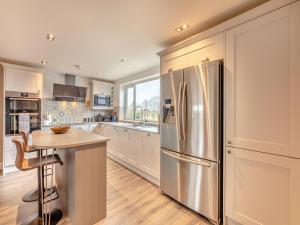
[[135, 170]]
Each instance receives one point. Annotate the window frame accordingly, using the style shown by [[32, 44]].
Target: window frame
[[133, 85]]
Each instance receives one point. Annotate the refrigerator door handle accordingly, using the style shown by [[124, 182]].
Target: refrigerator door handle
[[200, 163], [183, 111], [179, 112]]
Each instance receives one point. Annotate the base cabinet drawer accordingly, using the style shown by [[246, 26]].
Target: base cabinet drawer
[[261, 189]]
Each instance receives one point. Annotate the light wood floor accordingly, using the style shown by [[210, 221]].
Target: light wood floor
[[131, 200]]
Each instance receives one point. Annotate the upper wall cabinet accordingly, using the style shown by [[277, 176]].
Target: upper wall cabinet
[[23, 80], [102, 88], [262, 83], [211, 48]]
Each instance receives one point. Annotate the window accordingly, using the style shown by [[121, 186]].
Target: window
[[142, 101]]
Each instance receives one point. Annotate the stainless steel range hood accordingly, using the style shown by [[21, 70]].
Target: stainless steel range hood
[[68, 91]]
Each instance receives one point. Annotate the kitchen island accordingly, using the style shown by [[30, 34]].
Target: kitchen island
[[82, 178]]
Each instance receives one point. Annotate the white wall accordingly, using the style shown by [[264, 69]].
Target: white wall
[[49, 79]]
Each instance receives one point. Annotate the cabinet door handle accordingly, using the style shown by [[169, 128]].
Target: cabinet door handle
[[148, 134], [229, 142], [229, 151]]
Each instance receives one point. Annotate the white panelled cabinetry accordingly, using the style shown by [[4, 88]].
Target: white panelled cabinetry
[[102, 88], [121, 143], [137, 150], [135, 146], [10, 151], [260, 85], [150, 154], [262, 119], [211, 48], [262, 189], [23, 79]]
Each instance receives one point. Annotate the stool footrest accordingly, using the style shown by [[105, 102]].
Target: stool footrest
[[47, 194]]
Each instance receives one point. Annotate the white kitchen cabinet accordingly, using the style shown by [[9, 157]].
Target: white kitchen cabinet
[[23, 80], [261, 189], [133, 148], [112, 135], [102, 88], [211, 48], [103, 131], [150, 154], [110, 132], [10, 151], [136, 150], [121, 143], [262, 83]]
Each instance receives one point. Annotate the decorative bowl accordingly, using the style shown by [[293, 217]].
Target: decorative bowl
[[60, 129]]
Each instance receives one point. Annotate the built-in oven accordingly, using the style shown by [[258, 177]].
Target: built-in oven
[[102, 101], [22, 110]]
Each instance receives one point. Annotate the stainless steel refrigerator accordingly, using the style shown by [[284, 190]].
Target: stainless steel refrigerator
[[191, 137]]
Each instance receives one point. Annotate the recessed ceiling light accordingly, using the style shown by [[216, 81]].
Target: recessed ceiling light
[[50, 37], [99, 74], [124, 60], [80, 67], [182, 27], [44, 62]]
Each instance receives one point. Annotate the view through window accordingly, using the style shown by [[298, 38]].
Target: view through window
[[142, 101]]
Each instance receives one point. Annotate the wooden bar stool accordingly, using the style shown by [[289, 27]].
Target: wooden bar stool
[[34, 194], [29, 148], [39, 163]]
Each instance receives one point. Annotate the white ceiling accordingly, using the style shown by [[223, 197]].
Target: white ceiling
[[98, 33]]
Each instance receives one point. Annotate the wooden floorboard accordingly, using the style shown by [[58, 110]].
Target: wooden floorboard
[[131, 200]]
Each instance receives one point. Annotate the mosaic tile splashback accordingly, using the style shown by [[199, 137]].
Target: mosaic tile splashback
[[67, 112]]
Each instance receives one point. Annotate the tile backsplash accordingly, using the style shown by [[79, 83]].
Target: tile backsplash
[[67, 112]]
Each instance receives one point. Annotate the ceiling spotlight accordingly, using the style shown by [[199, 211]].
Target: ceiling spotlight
[[99, 74], [50, 37], [124, 60], [182, 27], [44, 62], [79, 67]]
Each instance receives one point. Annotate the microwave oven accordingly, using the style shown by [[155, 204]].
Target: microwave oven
[[102, 101]]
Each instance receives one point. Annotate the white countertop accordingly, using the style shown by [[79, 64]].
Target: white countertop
[[151, 129], [73, 138]]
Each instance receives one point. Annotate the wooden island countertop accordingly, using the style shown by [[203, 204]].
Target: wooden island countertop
[[81, 180], [73, 138]]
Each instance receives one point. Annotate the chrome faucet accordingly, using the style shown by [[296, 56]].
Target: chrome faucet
[[143, 111]]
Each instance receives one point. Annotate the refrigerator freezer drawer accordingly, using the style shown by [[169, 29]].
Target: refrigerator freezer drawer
[[193, 182]]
